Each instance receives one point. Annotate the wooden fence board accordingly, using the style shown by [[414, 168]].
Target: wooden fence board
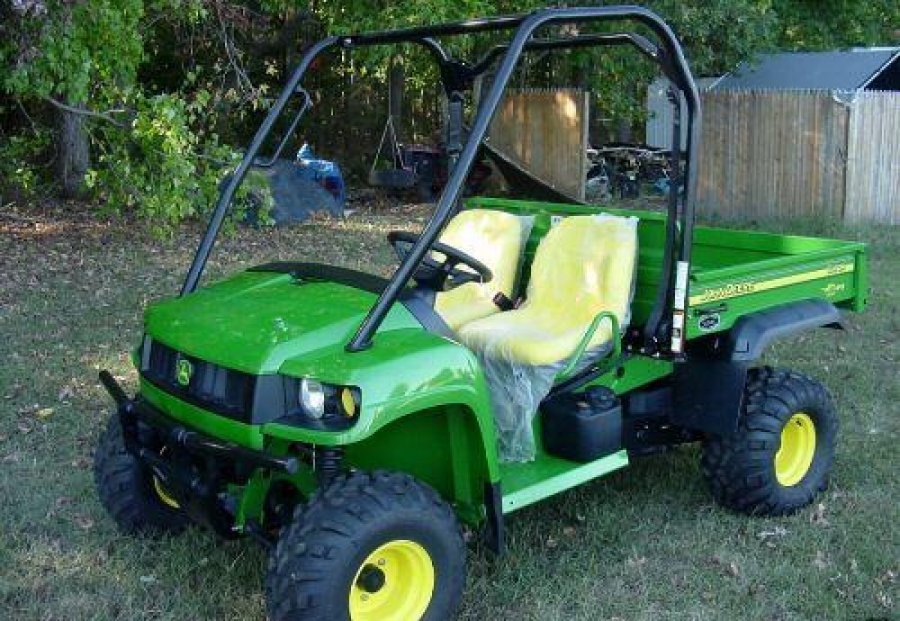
[[773, 154], [873, 167], [546, 132]]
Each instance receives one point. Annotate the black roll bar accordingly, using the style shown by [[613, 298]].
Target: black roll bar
[[644, 45], [307, 104], [251, 154], [525, 29], [227, 195], [669, 55]]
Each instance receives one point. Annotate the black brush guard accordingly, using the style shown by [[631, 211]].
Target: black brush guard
[[194, 468]]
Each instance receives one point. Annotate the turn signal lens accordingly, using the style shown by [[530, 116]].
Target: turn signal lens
[[348, 402]]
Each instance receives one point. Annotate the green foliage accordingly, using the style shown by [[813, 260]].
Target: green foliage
[[833, 24], [169, 87], [153, 166], [77, 51], [154, 154], [16, 161]]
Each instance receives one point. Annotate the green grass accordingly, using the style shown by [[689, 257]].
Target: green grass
[[643, 543]]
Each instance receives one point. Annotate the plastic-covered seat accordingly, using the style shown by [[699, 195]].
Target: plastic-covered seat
[[497, 239], [583, 266]]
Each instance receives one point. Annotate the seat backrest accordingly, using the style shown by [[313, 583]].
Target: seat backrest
[[584, 265], [651, 242], [495, 238]]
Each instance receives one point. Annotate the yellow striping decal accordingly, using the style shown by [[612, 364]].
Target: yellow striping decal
[[733, 290]]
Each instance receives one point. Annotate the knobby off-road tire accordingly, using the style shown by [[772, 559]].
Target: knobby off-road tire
[[368, 545], [126, 489], [779, 408]]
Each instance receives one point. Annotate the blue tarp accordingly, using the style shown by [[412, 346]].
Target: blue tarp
[[304, 186]]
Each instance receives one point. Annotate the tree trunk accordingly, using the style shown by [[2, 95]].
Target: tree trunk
[[73, 153]]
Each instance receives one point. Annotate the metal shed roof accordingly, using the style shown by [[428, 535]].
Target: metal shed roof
[[832, 71]]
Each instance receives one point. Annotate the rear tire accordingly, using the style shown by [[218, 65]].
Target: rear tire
[[782, 453], [368, 546], [127, 491]]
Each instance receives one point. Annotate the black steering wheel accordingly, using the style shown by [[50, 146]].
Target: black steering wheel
[[440, 275]]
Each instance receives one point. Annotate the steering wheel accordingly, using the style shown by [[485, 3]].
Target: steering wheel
[[440, 275]]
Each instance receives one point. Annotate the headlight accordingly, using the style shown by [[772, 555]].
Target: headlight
[[312, 397], [324, 406]]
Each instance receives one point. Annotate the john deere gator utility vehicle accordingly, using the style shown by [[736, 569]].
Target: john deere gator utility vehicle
[[351, 424]]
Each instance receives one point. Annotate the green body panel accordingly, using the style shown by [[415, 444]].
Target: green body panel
[[264, 323], [255, 321], [749, 271], [425, 407], [525, 484], [202, 420]]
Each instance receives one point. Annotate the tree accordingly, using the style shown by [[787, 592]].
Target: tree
[[834, 24], [139, 100], [67, 54]]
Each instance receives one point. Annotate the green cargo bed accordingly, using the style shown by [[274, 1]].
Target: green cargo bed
[[733, 272]]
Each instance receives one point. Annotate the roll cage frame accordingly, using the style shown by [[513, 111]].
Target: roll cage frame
[[663, 331]]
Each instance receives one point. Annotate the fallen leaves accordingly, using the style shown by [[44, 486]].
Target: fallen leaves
[[888, 578], [66, 392], [779, 532], [817, 517], [820, 561], [728, 568], [636, 561], [84, 522], [57, 507]]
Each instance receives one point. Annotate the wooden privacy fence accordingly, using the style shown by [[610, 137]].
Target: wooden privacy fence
[[801, 154], [546, 131], [873, 154]]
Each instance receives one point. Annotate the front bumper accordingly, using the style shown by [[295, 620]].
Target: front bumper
[[194, 468]]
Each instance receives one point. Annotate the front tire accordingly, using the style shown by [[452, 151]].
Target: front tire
[[782, 453], [371, 546], [129, 492]]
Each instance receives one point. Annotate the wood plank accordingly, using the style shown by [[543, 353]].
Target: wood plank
[[545, 130]]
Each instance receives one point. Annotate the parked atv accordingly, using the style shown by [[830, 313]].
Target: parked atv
[[351, 424]]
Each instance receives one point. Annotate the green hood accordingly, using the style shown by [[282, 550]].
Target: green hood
[[255, 321]]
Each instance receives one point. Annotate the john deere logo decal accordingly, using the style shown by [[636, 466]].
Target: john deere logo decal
[[183, 371], [709, 322]]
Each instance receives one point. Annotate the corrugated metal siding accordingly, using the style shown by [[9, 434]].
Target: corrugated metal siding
[[821, 71], [873, 167]]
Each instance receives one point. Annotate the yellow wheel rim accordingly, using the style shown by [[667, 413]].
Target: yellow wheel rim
[[798, 447], [394, 583], [163, 494]]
